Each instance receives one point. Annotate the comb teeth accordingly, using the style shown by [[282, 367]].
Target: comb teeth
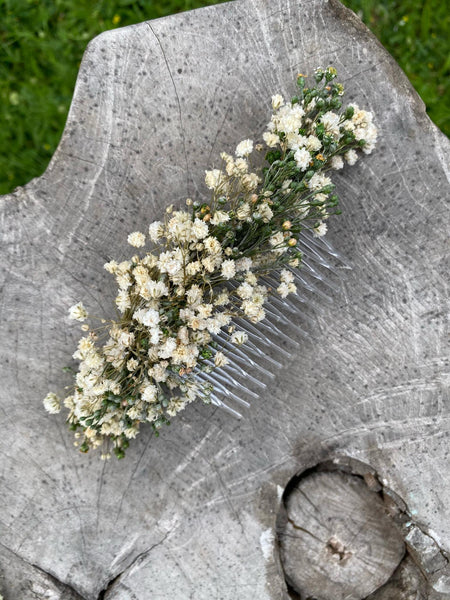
[[234, 382]]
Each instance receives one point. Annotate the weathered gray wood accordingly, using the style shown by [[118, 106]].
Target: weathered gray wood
[[192, 515], [19, 579], [337, 541], [407, 583]]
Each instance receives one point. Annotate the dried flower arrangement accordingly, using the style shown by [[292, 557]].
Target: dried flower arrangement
[[205, 268]]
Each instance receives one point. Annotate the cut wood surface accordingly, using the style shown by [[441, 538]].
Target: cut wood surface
[[338, 542], [192, 514]]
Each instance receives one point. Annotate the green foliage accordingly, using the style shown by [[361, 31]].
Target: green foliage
[[42, 42], [416, 33]]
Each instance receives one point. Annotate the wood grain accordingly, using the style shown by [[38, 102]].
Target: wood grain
[[338, 542], [407, 583], [192, 514]]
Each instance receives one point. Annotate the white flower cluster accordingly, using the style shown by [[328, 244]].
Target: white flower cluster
[[145, 371], [205, 267], [312, 137]]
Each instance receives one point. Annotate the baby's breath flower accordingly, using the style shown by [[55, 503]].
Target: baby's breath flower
[[149, 318], [320, 230], [337, 162], [286, 276], [330, 121], [277, 101], [173, 302], [283, 289], [78, 312], [221, 298], [245, 291], [302, 158], [169, 263], [220, 217], [52, 403], [210, 263], [194, 295], [124, 280], [265, 212], [194, 267], [239, 338], [212, 245], [319, 181], [271, 139], [277, 242], [228, 269], [204, 310], [243, 212], [149, 393], [250, 181], [136, 239], [199, 229], [123, 301], [132, 364], [244, 148], [157, 289], [243, 264], [111, 266], [313, 143], [351, 157], [175, 406], [213, 178], [155, 231], [220, 360], [240, 167]]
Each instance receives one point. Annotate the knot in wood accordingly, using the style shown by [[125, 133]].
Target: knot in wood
[[338, 550]]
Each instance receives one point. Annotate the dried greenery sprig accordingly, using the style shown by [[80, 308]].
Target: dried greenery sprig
[[205, 266]]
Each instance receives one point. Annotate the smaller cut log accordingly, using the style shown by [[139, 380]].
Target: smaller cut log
[[337, 541]]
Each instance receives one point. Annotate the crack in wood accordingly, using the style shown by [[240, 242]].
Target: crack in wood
[[103, 595], [295, 526], [76, 594], [180, 114], [386, 406], [60, 585]]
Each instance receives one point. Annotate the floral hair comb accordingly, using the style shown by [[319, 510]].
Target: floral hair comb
[[198, 313]]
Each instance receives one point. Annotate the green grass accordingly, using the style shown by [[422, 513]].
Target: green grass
[[42, 42], [416, 33]]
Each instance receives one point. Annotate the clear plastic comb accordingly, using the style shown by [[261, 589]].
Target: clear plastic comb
[[236, 383]]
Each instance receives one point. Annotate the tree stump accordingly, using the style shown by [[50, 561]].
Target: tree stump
[[192, 514]]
